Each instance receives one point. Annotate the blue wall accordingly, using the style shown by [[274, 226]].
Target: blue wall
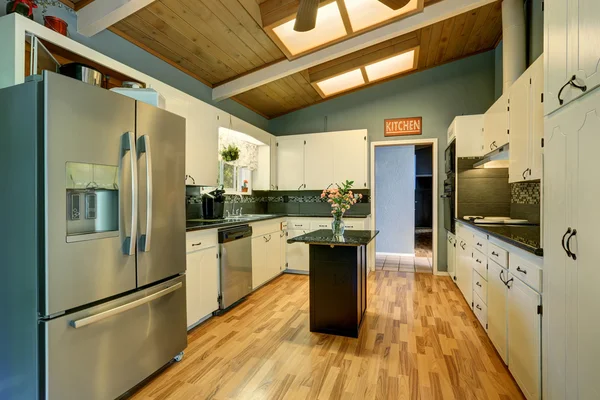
[[123, 51], [462, 87], [395, 201]]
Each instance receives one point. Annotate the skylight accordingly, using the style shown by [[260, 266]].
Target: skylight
[[330, 27], [391, 66], [336, 20], [366, 13], [341, 83]]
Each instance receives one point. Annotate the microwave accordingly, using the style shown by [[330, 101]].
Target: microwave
[[450, 158]]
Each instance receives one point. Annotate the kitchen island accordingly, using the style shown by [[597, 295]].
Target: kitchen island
[[338, 280]]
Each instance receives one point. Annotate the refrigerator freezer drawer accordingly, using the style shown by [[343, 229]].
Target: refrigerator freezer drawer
[[103, 351]]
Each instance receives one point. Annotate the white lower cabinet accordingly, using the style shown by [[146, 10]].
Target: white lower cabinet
[[464, 270], [202, 284], [297, 253], [497, 303], [451, 255], [524, 337], [266, 254]]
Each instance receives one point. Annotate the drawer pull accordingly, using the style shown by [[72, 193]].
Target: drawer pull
[[478, 261], [479, 244], [521, 270], [477, 306], [495, 254], [478, 284], [196, 244]]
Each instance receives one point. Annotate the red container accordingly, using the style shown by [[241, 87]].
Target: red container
[[56, 24]]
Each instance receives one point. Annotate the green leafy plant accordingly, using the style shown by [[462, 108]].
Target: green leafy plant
[[231, 153]]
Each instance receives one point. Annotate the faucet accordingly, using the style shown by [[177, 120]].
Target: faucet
[[234, 211]]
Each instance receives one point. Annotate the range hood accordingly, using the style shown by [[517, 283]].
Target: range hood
[[495, 159]]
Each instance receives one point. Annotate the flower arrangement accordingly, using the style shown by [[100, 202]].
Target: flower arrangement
[[340, 199], [245, 186], [231, 153]]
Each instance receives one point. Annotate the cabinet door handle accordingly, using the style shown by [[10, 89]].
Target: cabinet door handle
[[502, 276], [300, 187], [573, 255], [462, 245], [478, 307], [508, 282], [563, 242], [478, 261], [571, 82], [478, 284], [495, 254], [521, 270], [196, 244]]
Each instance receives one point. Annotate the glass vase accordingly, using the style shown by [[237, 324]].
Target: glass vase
[[338, 226]]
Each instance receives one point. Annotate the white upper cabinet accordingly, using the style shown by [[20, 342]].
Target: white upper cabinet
[[519, 129], [572, 48], [537, 118], [350, 157], [318, 161], [273, 148], [495, 125], [469, 130], [290, 162], [202, 142]]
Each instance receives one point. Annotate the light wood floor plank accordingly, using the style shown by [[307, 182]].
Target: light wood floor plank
[[420, 340]]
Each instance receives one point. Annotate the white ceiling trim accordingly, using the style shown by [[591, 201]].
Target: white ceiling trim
[[432, 14], [99, 15]]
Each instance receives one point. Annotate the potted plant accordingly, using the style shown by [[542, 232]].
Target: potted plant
[[23, 7], [340, 199], [245, 186], [231, 153]]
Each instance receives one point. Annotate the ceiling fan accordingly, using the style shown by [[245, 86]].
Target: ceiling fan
[[306, 18]]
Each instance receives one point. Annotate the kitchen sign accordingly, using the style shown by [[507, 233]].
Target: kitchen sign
[[403, 126]]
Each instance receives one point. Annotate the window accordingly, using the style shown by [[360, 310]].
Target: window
[[234, 179]]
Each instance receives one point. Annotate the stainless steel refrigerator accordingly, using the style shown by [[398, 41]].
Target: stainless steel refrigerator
[[92, 245]]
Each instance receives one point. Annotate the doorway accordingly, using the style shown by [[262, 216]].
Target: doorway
[[404, 204]]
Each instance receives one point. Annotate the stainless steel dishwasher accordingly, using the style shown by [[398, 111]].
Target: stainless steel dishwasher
[[235, 247]]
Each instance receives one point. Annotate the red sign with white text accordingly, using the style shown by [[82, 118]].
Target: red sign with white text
[[403, 126]]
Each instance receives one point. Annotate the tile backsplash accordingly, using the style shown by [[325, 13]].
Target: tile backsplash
[[278, 202], [525, 193], [525, 201]]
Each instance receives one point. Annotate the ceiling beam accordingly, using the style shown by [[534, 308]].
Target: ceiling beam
[[434, 13], [99, 15]]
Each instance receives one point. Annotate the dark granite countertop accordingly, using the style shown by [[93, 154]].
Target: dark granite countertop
[[526, 237], [326, 237], [197, 224]]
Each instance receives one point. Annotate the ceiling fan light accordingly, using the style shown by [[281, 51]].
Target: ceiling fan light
[[306, 18], [395, 4]]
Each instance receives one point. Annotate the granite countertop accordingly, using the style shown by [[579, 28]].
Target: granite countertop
[[326, 237], [200, 224], [526, 237]]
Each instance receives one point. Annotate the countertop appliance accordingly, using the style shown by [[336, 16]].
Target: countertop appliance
[[213, 204], [95, 257], [235, 249], [449, 198]]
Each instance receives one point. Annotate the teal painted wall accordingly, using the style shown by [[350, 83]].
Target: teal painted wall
[[123, 51], [463, 87]]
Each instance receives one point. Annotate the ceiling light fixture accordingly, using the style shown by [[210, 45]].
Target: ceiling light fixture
[[306, 18], [395, 4]]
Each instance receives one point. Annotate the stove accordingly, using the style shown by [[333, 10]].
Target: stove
[[481, 220]]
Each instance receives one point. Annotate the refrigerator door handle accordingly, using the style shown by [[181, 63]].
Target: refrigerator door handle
[[128, 145], [145, 240], [80, 323]]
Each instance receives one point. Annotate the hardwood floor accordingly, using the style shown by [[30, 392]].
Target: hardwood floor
[[420, 340]]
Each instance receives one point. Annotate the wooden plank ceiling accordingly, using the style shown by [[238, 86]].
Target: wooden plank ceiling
[[216, 41], [212, 40], [467, 34]]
